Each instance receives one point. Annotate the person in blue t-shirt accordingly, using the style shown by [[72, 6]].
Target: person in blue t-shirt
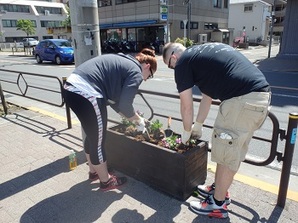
[[111, 79], [223, 73]]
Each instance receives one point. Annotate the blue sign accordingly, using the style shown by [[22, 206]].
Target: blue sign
[[164, 16], [293, 136]]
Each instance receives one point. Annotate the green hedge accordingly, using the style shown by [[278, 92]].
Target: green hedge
[[188, 42]]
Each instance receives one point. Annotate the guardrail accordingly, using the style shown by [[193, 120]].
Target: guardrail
[[33, 88], [277, 134]]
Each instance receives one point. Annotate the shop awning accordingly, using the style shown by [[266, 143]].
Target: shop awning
[[127, 24], [222, 30]]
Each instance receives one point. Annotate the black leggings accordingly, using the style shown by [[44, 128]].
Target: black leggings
[[92, 113]]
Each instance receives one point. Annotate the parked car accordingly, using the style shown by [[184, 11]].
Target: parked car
[[58, 51], [30, 42]]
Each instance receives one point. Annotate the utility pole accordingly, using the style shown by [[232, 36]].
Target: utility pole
[[272, 14], [85, 29], [168, 24], [188, 18]]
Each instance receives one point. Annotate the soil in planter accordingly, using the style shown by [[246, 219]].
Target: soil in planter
[[155, 137]]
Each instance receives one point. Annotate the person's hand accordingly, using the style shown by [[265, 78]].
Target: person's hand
[[196, 130], [185, 136], [141, 125]]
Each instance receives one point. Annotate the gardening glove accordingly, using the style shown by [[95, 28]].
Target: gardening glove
[[185, 136], [141, 125], [196, 130]]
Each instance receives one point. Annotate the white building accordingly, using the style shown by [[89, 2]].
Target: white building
[[42, 14], [250, 19]]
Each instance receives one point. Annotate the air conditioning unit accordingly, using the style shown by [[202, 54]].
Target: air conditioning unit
[[46, 12], [202, 38]]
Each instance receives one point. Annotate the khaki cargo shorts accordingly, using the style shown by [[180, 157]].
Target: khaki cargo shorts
[[236, 121]]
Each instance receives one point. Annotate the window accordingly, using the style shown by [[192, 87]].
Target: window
[[103, 3], [50, 10], [217, 3], [248, 7], [51, 23], [13, 23], [226, 4], [14, 8], [118, 2], [9, 23], [193, 25], [210, 26]]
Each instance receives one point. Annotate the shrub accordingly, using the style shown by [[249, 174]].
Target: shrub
[[188, 42]]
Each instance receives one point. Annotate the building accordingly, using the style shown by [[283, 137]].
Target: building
[[252, 19], [144, 22], [43, 15]]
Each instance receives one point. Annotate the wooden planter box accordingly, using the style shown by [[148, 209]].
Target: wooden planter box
[[163, 169]]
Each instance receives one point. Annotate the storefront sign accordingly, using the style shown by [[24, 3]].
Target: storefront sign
[[163, 12]]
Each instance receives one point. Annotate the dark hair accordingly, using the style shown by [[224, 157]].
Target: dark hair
[[147, 56]]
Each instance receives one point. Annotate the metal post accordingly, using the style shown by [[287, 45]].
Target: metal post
[[271, 28], [3, 100], [287, 159], [67, 109]]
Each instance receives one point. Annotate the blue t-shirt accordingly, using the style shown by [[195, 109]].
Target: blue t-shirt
[[220, 71]]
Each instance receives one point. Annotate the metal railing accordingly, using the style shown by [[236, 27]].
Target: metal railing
[[32, 89], [277, 133]]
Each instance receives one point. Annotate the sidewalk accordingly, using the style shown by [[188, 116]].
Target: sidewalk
[[37, 186]]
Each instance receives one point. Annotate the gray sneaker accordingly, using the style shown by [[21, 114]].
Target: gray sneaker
[[209, 208], [207, 190]]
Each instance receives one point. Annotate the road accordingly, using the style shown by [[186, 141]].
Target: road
[[284, 100]]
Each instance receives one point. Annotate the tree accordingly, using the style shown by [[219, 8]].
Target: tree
[[27, 26], [67, 21]]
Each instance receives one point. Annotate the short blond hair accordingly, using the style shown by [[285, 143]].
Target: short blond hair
[[169, 48]]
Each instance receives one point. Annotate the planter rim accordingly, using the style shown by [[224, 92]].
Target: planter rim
[[199, 145]]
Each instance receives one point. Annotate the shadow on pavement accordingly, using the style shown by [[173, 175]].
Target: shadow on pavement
[[34, 177]]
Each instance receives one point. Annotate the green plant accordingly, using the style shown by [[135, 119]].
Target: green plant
[[171, 142], [26, 26], [188, 42], [155, 125], [126, 122]]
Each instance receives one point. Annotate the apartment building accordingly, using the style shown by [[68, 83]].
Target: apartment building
[[43, 14], [150, 21]]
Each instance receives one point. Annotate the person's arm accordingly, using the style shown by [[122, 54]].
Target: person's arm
[[186, 108], [204, 108]]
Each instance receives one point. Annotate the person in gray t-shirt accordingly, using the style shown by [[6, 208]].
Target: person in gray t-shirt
[[111, 79]]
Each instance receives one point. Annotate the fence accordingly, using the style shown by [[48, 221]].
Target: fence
[[24, 83]]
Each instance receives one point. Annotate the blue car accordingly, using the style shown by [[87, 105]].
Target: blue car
[[58, 51]]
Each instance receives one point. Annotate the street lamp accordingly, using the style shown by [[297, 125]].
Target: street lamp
[[184, 22]]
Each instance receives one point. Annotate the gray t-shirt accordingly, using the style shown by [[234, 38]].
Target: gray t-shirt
[[116, 77]]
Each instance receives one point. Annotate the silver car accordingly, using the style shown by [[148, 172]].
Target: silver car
[[30, 42]]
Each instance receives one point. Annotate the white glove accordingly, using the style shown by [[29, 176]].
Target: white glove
[[140, 124], [196, 130], [185, 136]]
